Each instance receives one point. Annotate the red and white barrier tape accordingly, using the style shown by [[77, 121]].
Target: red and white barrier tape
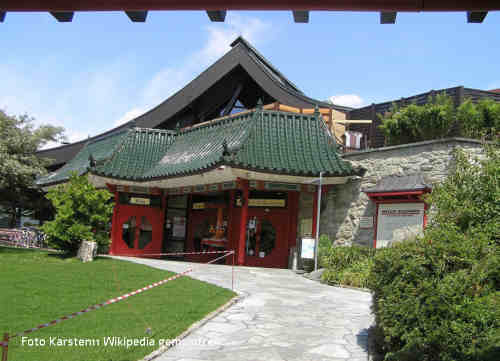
[[110, 301], [100, 305]]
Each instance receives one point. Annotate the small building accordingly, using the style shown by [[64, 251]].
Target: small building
[[400, 208], [235, 182], [211, 167]]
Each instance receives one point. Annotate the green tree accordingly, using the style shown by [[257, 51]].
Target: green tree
[[19, 165], [82, 213]]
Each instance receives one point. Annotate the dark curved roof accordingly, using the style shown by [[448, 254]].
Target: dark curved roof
[[243, 55]]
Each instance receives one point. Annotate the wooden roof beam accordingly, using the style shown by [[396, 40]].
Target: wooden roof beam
[[388, 17], [63, 16], [301, 16], [137, 16], [217, 15], [476, 17]]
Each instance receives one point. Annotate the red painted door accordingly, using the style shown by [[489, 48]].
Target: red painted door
[[139, 230], [267, 238]]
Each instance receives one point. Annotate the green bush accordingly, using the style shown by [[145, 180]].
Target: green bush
[[324, 246], [436, 119], [82, 213], [415, 123], [348, 265], [438, 297], [481, 120]]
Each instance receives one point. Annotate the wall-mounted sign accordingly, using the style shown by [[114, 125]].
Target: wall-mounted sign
[[179, 227], [397, 221], [264, 202], [199, 205], [140, 201], [307, 249], [365, 222]]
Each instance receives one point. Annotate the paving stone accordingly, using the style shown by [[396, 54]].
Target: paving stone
[[282, 316]]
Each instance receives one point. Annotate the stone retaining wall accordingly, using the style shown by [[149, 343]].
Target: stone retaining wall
[[346, 203]]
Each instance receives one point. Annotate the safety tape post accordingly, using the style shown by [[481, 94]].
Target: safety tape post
[[5, 346]]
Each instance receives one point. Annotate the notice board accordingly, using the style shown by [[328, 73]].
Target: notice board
[[396, 221]]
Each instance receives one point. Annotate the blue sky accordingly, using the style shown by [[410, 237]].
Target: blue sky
[[102, 69]]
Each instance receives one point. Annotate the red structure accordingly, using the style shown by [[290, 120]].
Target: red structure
[[261, 230], [394, 190], [216, 9]]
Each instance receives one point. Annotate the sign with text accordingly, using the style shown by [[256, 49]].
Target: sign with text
[[264, 202], [307, 249], [140, 201], [397, 221]]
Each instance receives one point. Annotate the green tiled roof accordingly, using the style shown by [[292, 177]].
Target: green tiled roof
[[289, 143], [100, 149], [138, 153], [259, 140], [202, 147]]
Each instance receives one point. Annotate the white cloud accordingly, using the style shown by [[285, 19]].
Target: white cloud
[[220, 36], [131, 114], [348, 100], [90, 100]]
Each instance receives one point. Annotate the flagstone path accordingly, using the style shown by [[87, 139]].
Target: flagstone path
[[281, 316]]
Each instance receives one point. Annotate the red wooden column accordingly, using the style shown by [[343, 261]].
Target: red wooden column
[[231, 242], [243, 221], [375, 226], [293, 218], [315, 213], [114, 219]]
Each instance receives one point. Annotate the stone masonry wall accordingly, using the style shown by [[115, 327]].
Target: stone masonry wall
[[346, 203]]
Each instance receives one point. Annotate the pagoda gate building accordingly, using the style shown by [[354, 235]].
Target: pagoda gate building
[[213, 168]]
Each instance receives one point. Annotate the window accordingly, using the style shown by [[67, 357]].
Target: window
[[145, 233], [128, 232]]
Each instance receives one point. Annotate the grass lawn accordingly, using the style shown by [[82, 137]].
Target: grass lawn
[[37, 287]]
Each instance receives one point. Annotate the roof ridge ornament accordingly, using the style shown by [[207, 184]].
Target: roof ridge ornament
[[260, 104]]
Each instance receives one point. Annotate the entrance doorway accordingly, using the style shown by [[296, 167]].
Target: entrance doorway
[[267, 238], [139, 230]]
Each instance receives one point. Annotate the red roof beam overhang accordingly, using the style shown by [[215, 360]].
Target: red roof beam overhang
[[217, 5], [137, 10]]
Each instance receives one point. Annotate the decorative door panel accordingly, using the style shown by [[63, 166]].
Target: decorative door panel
[[138, 230], [267, 239]]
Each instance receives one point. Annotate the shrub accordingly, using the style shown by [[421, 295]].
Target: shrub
[[348, 265], [438, 297], [436, 119], [324, 246], [415, 123], [481, 120], [82, 213]]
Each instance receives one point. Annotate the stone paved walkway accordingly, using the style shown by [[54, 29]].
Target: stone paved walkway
[[282, 316]]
